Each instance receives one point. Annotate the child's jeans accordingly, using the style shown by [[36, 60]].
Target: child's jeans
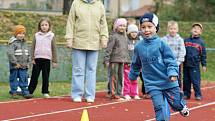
[[130, 87], [174, 98], [22, 83]]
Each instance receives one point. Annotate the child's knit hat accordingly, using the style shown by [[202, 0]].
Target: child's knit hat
[[150, 17], [118, 22], [132, 28], [19, 29]]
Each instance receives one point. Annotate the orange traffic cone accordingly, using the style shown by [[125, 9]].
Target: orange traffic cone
[[85, 116]]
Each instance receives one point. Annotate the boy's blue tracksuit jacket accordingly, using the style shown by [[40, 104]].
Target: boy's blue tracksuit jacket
[[195, 52], [157, 62]]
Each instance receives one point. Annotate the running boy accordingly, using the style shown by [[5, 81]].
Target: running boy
[[159, 69]]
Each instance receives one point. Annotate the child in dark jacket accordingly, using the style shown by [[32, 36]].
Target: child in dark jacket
[[195, 54], [19, 59], [159, 69], [116, 54]]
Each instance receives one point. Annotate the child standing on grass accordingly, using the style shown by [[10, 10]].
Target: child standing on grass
[[159, 69], [43, 52], [176, 44], [19, 59], [130, 88], [195, 54], [116, 54]]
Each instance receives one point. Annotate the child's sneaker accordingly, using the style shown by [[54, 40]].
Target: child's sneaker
[[115, 97], [90, 100], [185, 111], [28, 96], [45, 95], [198, 98], [108, 95], [186, 97], [146, 96], [136, 97], [19, 93], [77, 100], [127, 97], [14, 96]]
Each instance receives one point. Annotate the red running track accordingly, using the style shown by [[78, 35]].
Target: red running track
[[63, 109]]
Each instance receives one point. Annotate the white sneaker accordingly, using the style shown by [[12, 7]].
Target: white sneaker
[[136, 97], [127, 97], [77, 100], [185, 111], [90, 100], [45, 95]]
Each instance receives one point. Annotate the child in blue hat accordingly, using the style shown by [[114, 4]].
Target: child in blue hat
[[159, 69]]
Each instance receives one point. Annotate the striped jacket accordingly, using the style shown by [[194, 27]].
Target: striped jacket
[[18, 53], [195, 52]]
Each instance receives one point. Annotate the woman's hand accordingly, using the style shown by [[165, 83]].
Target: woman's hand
[[69, 43], [54, 65]]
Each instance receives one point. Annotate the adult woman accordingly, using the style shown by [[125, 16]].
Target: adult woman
[[86, 33]]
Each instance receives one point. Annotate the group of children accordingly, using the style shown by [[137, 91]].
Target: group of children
[[130, 54], [158, 61], [43, 52]]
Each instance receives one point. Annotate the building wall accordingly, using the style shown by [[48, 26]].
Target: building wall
[[118, 7], [41, 4], [7, 3]]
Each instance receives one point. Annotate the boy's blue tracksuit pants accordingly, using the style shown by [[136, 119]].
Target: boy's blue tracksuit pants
[[192, 76], [173, 97]]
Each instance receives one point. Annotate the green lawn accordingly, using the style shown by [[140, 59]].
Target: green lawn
[[55, 88]]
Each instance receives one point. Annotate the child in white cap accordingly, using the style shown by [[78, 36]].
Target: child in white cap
[[130, 88]]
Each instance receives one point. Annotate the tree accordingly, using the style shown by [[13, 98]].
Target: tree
[[196, 10], [186, 10], [66, 6]]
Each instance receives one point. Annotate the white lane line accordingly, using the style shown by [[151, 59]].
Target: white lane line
[[193, 108], [65, 96], [63, 111], [25, 100], [210, 87]]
